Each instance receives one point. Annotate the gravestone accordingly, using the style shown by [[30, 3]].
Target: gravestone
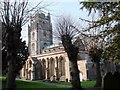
[[116, 80], [107, 81]]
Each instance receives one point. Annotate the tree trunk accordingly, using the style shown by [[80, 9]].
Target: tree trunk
[[11, 57], [72, 55], [75, 75], [98, 78], [11, 85]]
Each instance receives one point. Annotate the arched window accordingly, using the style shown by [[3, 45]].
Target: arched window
[[37, 26], [33, 47], [43, 68], [33, 36], [61, 66], [52, 66], [30, 64]]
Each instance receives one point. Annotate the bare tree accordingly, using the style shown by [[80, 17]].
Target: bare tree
[[66, 34], [95, 45], [14, 15]]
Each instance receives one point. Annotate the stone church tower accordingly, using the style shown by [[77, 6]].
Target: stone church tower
[[39, 33]]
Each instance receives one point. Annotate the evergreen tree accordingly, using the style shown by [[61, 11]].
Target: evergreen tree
[[109, 18]]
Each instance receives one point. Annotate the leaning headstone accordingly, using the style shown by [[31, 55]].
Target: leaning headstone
[[107, 81], [52, 78]]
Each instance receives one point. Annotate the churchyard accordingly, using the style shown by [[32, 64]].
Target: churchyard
[[24, 84]]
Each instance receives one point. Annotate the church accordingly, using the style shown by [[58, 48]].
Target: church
[[48, 60]]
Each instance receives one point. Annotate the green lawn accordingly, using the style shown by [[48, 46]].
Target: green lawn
[[39, 84], [25, 84], [83, 84], [64, 83], [88, 83]]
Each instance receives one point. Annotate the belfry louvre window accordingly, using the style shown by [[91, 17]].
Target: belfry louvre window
[[44, 33]]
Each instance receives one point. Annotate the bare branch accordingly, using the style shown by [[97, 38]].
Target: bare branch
[[86, 20], [19, 11], [64, 27]]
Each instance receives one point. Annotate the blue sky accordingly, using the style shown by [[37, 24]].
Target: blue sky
[[61, 7]]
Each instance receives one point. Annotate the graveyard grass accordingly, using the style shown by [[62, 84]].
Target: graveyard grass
[[39, 84]]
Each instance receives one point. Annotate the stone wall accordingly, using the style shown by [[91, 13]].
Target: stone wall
[[82, 69]]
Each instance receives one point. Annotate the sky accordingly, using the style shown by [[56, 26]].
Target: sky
[[60, 7]]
